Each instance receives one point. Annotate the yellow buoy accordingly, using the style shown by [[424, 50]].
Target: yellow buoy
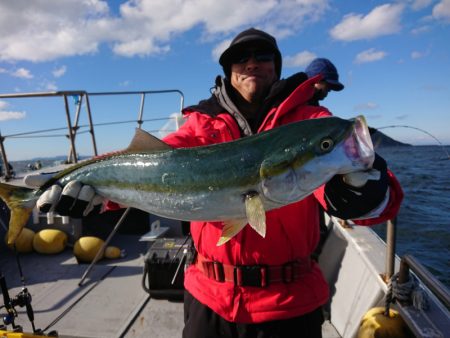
[[376, 325], [23, 243], [86, 248], [50, 241], [112, 252]]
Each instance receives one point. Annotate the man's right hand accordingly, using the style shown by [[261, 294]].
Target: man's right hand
[[75, 199]]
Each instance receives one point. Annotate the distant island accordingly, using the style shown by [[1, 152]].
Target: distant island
[[381, 140]]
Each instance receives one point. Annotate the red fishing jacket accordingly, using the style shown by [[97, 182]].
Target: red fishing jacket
[[292, 231]]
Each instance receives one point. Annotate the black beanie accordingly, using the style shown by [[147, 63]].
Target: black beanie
[[251, 35]]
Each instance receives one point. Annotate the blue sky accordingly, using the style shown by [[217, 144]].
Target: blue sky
[[392, 56]]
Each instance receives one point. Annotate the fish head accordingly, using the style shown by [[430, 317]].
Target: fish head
[[358, 147], [324, 147], [341, 147]]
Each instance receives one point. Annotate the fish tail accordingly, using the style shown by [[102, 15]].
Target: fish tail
[[20, 204]]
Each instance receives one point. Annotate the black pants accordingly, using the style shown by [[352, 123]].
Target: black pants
[[201, 322]]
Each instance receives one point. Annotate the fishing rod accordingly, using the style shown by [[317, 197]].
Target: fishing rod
[[22, 299], [421, 130]]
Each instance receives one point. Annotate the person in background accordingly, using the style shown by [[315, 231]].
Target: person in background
[[253, 286], [330, 79]]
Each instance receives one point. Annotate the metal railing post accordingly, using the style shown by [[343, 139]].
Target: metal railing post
[[77, 119], [91, 124], [73, 153], [8, 173], [391, 235]]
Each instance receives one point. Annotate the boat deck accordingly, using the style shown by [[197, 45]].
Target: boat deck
[[110, 303]]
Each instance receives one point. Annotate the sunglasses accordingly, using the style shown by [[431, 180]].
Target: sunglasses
[[259, 55]]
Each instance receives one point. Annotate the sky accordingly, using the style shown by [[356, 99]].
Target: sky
[[392, 56]]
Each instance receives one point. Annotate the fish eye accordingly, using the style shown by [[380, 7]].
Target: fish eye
[[326, 145]]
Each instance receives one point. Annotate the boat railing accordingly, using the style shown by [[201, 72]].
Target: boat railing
[[409, 262], [73, 126], [426, 313]]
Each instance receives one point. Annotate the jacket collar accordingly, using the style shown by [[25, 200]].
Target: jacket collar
[[221, 100]]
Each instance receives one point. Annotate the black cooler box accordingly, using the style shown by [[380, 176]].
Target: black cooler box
[[165, 263]]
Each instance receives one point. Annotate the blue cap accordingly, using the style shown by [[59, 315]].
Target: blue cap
[[328, 71]]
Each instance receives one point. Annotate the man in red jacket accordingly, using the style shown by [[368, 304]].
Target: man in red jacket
[[266, 287]]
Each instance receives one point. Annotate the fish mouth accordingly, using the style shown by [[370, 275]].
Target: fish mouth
[[359, 147]]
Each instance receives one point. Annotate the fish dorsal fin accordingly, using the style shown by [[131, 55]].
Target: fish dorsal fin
[[143, 141]]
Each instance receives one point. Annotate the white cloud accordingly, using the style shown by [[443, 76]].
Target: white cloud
[[366, 106], [11, 115], [420, 30], [44, 30], [51, 86], [58, 72], [141, 27], [47, 86], [140, 47], [370, 55], [301, 59], [442, 11], [417, 55], [6, 115], [420, 4], [125, 83], [382, 20], [22, 73], [218, 50], [152, 23]]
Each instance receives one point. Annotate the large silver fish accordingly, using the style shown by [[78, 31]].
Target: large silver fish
[[233, 182]]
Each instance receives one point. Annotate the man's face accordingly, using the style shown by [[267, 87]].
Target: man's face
[[322, 89], [253, 73]]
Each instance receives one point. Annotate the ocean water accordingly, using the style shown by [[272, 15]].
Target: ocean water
[[423, 223]]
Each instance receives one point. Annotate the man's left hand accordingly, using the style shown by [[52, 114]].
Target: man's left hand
[[356, 194], [358, 179]]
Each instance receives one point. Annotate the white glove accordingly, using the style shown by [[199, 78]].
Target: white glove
[[75, 199], [358, 179]]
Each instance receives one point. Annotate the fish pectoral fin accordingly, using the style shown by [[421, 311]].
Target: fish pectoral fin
[[230, 229], [256, 215], [143, 141]]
